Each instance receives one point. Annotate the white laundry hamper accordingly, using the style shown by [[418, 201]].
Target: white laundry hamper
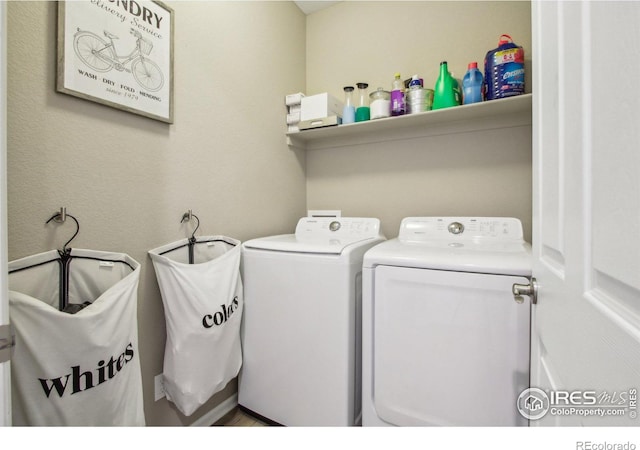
[[79, 369], [201, 289]]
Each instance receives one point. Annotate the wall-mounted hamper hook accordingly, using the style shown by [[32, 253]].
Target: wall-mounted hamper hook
[[187, 217], [61, 217]]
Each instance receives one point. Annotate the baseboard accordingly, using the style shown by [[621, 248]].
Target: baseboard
[[217, 413]]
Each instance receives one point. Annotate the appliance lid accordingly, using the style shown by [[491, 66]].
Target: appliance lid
[[479, 245], [324, 235]]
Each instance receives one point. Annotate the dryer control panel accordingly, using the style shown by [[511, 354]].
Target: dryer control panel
[[337, 227], [462, 228]]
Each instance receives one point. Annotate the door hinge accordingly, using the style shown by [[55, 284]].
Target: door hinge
[[7, 342]]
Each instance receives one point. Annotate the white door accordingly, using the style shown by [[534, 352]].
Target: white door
[[5, 384], [586, 211]]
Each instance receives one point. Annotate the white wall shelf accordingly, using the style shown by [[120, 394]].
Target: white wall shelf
[[494, 114]]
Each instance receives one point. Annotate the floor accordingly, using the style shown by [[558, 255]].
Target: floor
[[238, 418]]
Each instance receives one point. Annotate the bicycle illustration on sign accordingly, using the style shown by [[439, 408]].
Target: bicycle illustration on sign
[[101, 56]]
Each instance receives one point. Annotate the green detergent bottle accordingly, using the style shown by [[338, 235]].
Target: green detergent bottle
[[447, 90]]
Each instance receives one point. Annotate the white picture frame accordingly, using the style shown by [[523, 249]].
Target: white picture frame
[[118, 54]]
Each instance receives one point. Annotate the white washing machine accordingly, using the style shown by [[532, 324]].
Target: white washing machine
[[301, 335], [444, 342]]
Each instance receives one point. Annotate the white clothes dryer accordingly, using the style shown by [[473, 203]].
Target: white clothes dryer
[[444, 342], [301, 333]]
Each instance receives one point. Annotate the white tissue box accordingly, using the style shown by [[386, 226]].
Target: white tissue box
[[320, 106]]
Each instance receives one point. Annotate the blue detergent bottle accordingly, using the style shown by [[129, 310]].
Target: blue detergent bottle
[[472, 85], [504, 70]]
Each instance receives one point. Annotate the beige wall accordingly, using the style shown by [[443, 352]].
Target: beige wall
[[483, 173], [129, 179]]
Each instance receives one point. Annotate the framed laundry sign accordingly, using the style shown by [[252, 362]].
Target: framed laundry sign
[[118, 53]]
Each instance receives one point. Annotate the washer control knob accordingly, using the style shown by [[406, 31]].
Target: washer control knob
[[334, 226], [455, 228]]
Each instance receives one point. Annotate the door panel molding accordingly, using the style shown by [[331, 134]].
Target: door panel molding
[[586, 329]]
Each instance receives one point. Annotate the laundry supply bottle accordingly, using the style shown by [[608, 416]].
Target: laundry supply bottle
[[363, 112], [415, 83], [447, 90], [472, 85], [415, 96], [397, 96], [349, 111], [504, 70]]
